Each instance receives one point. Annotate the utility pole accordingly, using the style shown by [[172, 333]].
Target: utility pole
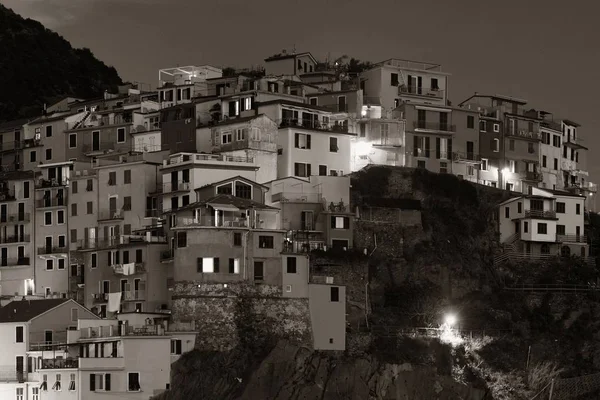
[[551, 389]]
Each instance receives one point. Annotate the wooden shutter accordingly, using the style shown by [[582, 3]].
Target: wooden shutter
[[92, 382], [308, 172], [297, 140], [107, 382], [415, 146], [346, 223], [437, 148], [333, 222], [199, 264], [216, 264], [308, 141], [427, 147]]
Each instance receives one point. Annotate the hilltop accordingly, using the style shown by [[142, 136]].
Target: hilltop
[[39, 66], [419, 272]]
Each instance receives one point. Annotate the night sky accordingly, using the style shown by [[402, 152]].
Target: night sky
[[543, 51]]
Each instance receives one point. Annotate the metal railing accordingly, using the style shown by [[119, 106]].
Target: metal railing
[[122, 269], [114, 241], [11, 146], [176, 187], [108, 215], [312, 124], [51, 202], [49, 183], [524, 134], [409, 64], [15, 239], [540, 214], [571, 238], [14, 262], [336, 108], [7, 194], [465, 156], [52, 250], [13, 218], [206, 157], [532, 176], [131, 295], [421, 91], [210, 221], [100, 298], [434, 126], [59, 363], [297, 197]]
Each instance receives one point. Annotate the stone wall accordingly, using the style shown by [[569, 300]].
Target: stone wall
[[216, 312]]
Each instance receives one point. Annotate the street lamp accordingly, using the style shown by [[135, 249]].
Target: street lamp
[[450, 320]]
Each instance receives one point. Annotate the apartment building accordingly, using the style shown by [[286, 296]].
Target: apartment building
[[239, 235], [120, 250], [244, 138], [12, 142], [308, 143], [545, 223], [17, 225], [29, 329], [395, 81], [52, 228], [181, 84], [184, 172], [551, 154], [315, 212], [292, 63]]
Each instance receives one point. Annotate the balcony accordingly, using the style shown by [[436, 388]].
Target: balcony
[[408, 64], [468, 157], [110, 215], [7, 194], [335, 108], [101, 363], [434, 93], [33, 142], [59, 363], [45, 250], [524, 134], [295, 197], [50, 183], [10, 374], [539, 214], [99, 298], [153, 214], [247, 143], [15, 239], [532, 176], [434, 126], [105, 147], [133, 295], [10, 146], [209, 221], [51, 202], [15, 262], [114, 241], [129, 268], [312, 124], [167, 255], [14, 218], [203, 158], [173, 187], [571, 238], [76, 280]]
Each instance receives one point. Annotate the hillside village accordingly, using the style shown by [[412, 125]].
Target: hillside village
[[303, 201]]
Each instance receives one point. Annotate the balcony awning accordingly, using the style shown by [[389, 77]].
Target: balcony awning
[[224, 207]]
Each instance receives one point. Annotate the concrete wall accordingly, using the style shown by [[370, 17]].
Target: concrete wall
[[58, 320], [10, 348], [295, 284], [328, 318]]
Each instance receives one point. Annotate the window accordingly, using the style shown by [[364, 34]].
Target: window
[[542, 228], [556, 163], [335, 294], [90, 185], [544, 159], [120, 135], [560, 229], [302, 170], [35, 393], [519, 207], [94, 260], [511, 144], [560, 207], [482, 126], [577, 208], [265, 242], [530, 148], [237, 239], [112, 178], [48, 218], [181, 239], [127, 203], [99, 382], [74, 314], [207, 265], [484, 164], [258, 271], [49, 265], [33, 156], [44, 385], [72, 382], [443, 167], [60, 217], [74, 187], [291, 265], [496, 145], [61, 263], [470, 170], [525, 226], [333, 144], [302, 141], [127, 176], [234, 265], [48, 154], [340, 222], [470, 122], [240, 134], [90, 207], [57, 383], [226, 137], [133, 382], [243, 190], [225, 189], [185, 200], [19, 334], [496, 128], [507, 212], [394, 79], [556, 141], [176, 346], [49, 131], [20, 393], [421, 164], [323, 170], [72, 140]]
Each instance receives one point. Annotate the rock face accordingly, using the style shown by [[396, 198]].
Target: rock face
[[290, 372]]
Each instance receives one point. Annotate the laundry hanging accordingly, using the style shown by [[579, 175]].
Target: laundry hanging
[[114, 302]]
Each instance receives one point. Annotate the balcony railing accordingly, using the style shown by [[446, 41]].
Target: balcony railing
[[133, 295], [114, 241], [167, 255], [10, 374], [434, 126], [153, 213], [176, 187], [129, 268], [210, 221], [49, 183], [59, 363], [100, 298], [15, 239], [465, 157], [7, 194], [51, 202], [15, 262], [312, 124], [336, 108], [14, 218], [296, 197], [523, 133], [420, 91], [104, 147], [109, 215], [206, 157], [539, 214], [77, 279], [52, 250], [571, 238], [532, 176], [11, 146]]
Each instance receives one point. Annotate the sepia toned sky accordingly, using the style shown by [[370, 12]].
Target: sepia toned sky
[[544, 51]]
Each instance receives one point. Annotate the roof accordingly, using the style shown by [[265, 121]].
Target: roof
[[19, 175], [11, 125], [227, 199], [285, 56], [495, 96], [54, 117], [237, 120], [292, 103], [561, 193], [571, 123], [26, 310], [235, 178], [287, 177]]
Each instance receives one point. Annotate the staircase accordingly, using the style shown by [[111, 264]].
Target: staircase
[[82, 120]]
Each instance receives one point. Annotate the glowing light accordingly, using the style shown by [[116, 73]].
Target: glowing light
[[505, 170], [450, 319], [363, 113], [362, 148], [449, 335]]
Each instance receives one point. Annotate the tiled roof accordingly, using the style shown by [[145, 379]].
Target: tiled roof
[[26, 310], [227, 199]]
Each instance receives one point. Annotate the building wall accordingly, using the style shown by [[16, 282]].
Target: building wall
[[570, 219], [328, 318], [64, 393], [507, 225], [56, 142], [179, 135], [57, 320], [108, 140], [295, 284], [10, 348], [149, 356], [147, 141], [280, 67]]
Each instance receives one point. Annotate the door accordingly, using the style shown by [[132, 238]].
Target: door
[[112, 206], [174, 181], [105, 286], [95, 141], [342, 104], [48, 244], [48, 337], [4, 257], [20, 368], [578, 233], [517, 227], [21, 211], [258, 271], [21, 253], [3, 213]]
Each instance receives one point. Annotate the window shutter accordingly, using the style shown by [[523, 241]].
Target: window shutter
[[231, 108], [92, 382], [346, 223], [231, 265], [333, 222], [118, 257], [449, 148], [303, 218], [178, 347], [308, 173], [427, 147], [109, 254], [437, 148], [216, 263], [297, 140], [199, 264], [296, 169], [415, 146], [308, 141], [107, 382]]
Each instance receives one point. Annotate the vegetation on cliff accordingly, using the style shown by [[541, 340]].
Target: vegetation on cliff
[[38, 66]]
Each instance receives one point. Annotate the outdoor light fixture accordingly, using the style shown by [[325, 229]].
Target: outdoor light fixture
[[450, 319], [505, 170]]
